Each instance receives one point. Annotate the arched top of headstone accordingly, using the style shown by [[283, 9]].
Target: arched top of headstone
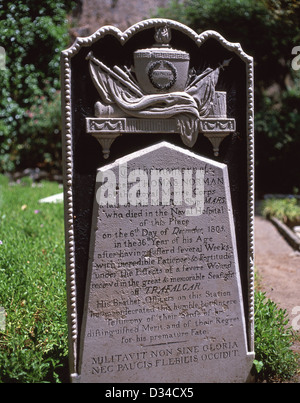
[[123, 37]]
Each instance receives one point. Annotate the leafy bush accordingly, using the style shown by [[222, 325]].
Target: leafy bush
[[32, 34], [286, 210], [33, 345], [273, 341], [42, 130]]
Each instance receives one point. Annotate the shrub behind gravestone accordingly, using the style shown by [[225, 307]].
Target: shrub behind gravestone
[[32, 36]]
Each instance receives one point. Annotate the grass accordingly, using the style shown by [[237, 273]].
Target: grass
[[275, 359], [33, 345]]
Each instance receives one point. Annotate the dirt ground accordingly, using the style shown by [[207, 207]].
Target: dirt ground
[[278, 271]]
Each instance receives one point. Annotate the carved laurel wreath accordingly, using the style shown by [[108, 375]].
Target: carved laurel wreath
[[170, 66]]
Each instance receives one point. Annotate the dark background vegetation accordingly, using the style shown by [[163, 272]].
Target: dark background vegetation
[[34, 33]]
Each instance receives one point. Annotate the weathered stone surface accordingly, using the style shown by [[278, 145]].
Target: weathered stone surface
[[163, 297]]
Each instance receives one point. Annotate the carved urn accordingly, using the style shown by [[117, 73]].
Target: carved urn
[[161, 69]]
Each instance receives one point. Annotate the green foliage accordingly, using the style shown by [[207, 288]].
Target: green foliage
[[286, 210], [32, 34], [273, 341], [42, 130], [268, 30], [278, 138], [33, 345]]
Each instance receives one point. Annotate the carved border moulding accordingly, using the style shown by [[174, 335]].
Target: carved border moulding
[[158, 94]]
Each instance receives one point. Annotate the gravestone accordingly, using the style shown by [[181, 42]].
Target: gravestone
[[158, 167]]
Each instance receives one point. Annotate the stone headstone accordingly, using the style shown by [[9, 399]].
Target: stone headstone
[[163, 298], [159, 237]]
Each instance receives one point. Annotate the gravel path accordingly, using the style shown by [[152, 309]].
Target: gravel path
[[278, 266]]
